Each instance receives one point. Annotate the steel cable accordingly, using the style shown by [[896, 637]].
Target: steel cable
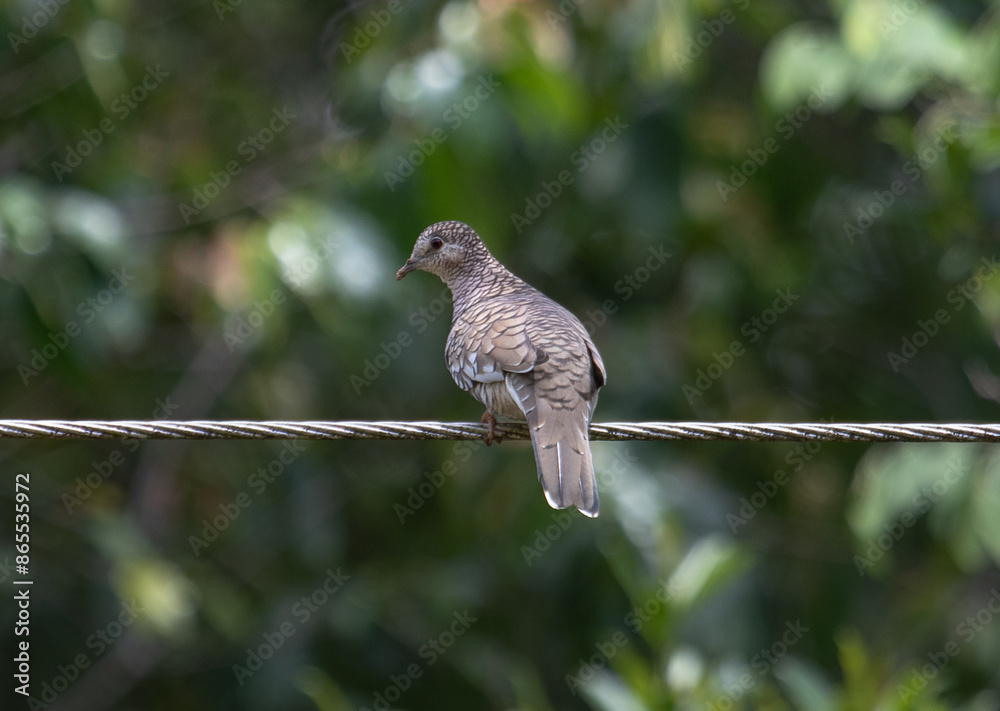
[[609, 431]]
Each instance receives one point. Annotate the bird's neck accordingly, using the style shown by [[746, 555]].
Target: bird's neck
[[482, 280]]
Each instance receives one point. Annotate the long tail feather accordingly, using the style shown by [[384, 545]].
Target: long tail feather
[[562, 450]]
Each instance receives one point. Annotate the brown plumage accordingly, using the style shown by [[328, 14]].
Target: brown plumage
[[521, 355]]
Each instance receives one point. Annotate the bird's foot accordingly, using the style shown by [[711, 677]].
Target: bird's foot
[[491, 421]]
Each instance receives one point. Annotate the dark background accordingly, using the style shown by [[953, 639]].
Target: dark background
[[824, 178]]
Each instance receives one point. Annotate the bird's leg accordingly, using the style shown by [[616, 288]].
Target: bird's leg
[[489, 419]]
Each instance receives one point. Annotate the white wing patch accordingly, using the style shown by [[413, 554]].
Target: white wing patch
[[468, 371], [560, 460], [494, 377]]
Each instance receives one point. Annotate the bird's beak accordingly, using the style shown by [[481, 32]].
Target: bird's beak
[[410, 265]]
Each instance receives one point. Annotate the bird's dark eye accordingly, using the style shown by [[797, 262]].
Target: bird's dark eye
[[437, 243]]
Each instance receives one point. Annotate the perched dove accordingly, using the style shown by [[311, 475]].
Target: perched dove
[[521, 355]]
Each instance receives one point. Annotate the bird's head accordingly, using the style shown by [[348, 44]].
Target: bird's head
[[444, 248]]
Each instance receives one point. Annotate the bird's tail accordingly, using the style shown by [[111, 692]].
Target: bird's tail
[[566, 468], [562, 449]]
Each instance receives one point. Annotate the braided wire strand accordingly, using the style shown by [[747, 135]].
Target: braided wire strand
[[606, 431]]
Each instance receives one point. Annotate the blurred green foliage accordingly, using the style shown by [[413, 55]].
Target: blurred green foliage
[[202, 208]]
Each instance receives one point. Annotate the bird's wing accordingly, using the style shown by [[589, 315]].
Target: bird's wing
[[489, 341], [552, 371], [597, 365]]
